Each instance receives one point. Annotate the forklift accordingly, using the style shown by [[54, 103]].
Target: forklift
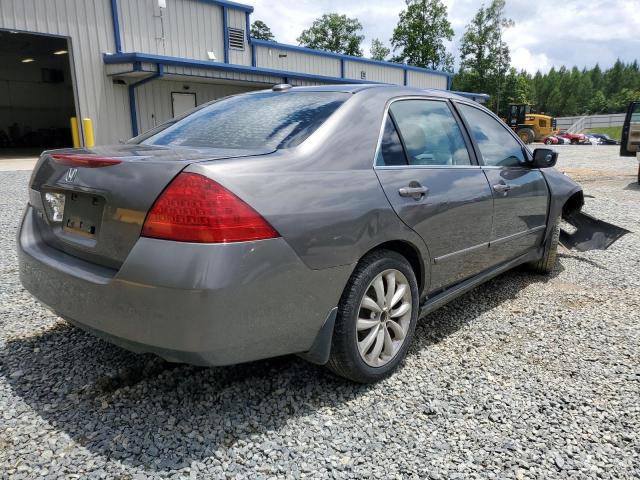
[[529, 126]]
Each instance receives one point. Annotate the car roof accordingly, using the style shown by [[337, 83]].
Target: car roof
[[393, 90]]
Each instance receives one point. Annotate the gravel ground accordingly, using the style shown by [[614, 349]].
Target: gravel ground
[[526, 377]]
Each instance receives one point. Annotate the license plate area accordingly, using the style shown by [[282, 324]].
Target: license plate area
[[82, 214]]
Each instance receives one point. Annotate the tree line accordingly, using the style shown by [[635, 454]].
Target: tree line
[[485, 64]]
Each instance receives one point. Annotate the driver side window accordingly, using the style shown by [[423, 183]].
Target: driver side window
[[496, 144]]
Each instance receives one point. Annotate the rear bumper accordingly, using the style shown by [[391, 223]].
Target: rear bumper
[[204, 304]]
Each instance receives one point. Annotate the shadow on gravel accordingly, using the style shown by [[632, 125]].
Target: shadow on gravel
[[148, 413], [633, 186]]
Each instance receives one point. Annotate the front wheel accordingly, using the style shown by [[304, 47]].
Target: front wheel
[[376, 318], [527, 135], [547, 263]]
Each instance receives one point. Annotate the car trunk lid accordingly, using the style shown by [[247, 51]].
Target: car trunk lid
[[91, 203]]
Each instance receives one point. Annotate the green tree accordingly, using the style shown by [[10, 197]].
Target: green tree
[[334, 33], [484, 56], [260, 30], [378, 50], [420, 34]]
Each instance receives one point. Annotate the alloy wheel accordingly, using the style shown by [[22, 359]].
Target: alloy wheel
[[384, 317]]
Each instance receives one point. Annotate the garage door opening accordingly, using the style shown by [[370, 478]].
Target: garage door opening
[[37, 96]]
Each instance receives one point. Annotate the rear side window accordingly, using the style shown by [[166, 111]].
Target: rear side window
[[496, 144], [430, 133], [262, 120], [390, 152]]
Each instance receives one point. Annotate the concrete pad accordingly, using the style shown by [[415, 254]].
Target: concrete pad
[[13, 164]]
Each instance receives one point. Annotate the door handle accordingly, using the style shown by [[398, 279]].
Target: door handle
[[502, 188], [416, 192]]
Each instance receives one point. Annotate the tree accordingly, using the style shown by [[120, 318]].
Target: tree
[[420, 34], [378, 50], [484, 56], [260, 30], [334, 33]]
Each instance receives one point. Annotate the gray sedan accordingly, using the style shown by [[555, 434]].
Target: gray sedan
[[319, 221]]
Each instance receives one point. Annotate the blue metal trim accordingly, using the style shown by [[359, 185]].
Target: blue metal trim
[[227, 3], [116, 25], [248, 28], [186, 62], [405, 77], [342, 68], [254, 56], [132, 96], [225, 33], [311, 51]]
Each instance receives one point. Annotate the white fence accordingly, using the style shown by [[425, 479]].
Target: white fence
[[593, 121]]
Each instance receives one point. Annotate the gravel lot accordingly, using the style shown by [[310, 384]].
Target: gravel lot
[[526, 377]]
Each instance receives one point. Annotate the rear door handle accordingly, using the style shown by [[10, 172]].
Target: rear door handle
[[502, 188], [415, 192]]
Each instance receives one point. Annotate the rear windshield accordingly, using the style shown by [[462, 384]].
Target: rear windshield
[[262, 120]]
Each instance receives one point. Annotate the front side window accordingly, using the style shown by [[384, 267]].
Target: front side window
[[262, 120], [496, 144], [430, 133]]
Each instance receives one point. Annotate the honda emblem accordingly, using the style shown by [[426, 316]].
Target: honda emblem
[[71, 175]]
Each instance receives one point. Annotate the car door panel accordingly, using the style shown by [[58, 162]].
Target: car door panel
[[520, 193], [453, 218], [520, 213], [630, 144]]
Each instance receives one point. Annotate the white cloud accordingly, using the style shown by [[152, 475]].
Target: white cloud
[[546, 33]]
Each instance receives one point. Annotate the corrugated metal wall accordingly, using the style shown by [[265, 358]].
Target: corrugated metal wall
[[154, 98], [237, 19], [279, 59], [88, 24], [426, 80], [191, 28], [374, 73], [221, 74]]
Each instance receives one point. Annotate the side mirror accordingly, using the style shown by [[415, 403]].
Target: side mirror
[[544, 158]]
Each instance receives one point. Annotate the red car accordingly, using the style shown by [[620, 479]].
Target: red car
[[555, 140], [574, 138]]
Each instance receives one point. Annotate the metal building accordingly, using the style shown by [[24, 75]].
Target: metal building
[[129, 65]]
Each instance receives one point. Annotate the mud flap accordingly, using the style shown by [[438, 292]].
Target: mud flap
[[590, 233]]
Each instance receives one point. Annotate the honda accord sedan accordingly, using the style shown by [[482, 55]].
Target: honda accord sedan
[[318, 221]]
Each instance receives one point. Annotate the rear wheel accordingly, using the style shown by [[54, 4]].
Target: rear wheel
[[376, 318], [547, 263], [548, 141], [527, 135]]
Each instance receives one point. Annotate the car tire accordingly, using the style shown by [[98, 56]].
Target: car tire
[[547, 263], [574, 142], [356, 328], [548, 142]]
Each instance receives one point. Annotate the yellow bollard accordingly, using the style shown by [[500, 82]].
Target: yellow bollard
[[75, 134], [87, 126]]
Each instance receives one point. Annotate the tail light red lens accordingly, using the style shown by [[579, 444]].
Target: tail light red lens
[[194, 208], [84, 160]]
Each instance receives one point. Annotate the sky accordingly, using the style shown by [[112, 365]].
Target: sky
[[546, 33]]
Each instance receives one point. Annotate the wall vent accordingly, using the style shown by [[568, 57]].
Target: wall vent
[[236, 38]]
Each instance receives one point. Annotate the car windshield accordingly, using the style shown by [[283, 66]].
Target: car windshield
[[272, 120]]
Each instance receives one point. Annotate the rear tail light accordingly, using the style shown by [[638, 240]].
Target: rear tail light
[[84, 160], [194, 208]]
